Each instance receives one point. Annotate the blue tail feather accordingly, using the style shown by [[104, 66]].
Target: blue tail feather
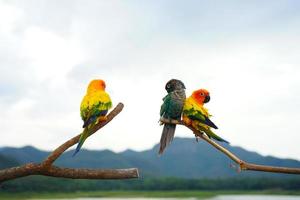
[[208, 122], [77, 149], [79, 145]]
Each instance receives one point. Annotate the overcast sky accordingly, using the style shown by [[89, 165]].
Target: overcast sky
[[246, 53]]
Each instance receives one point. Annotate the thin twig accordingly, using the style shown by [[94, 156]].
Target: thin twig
[[47, 169], [242, 164]]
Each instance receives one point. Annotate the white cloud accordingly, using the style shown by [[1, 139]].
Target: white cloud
[[51, 56], [9, 16], [246, 57]]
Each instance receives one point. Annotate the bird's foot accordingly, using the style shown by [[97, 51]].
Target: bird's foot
[[160, 121], [102, 118], [169, 121], [186, 120]]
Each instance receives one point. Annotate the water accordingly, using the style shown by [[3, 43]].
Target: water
[[219, 197], [255, 197]]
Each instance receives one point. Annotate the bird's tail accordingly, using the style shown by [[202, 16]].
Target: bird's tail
[[166, 137], [208, 122], [211, 134], [82, 138]]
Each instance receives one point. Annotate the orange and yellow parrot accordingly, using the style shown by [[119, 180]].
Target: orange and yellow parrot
[[196, 115], [94, 107]]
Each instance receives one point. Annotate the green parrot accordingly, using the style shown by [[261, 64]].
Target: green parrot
[[171, 109]]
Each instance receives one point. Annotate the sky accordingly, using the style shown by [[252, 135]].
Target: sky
[[246, 53]]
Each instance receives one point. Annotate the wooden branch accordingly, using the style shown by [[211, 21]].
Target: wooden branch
[[47, 169], [242, 164], [62, 148], [54, 171]]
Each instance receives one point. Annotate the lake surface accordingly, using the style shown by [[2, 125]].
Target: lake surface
[[219, 197], [255, 197]]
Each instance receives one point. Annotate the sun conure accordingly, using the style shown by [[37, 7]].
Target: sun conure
[[196, 115], [171, 109], [94, 107]]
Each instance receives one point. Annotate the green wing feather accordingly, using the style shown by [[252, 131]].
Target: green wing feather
[[166, 104], [86, 113], [194, 114], [93, 103], [199, 116]]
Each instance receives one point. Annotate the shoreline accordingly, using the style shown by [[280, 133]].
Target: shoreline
[[137, 194]]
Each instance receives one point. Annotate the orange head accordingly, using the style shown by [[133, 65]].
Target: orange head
[[97, 84], [201, 96]]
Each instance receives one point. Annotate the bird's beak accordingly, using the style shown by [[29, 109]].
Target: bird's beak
[[182, 85], [207, 98]]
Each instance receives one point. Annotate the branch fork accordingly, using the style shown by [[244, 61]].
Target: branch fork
[[46, 167]]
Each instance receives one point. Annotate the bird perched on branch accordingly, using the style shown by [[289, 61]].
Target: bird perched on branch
[[171, 109], [93, 109], [196, 115]]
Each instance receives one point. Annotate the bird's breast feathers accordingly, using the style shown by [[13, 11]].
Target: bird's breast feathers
[[191, 105]]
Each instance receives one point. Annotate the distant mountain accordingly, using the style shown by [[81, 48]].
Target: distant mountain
[[6, 162], [24, 154], [185, 158]]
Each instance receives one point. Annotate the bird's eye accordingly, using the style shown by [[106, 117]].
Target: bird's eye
[[168, 86], [202, 94]]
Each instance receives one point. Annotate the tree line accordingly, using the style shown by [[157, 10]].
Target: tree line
[[48, 184]]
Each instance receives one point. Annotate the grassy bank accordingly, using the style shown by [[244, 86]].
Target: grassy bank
[[176, 194]]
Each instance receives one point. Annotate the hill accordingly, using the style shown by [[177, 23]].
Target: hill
[[185, 158], [6, 162]]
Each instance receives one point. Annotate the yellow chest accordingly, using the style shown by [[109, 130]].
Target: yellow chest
[[190, 104]]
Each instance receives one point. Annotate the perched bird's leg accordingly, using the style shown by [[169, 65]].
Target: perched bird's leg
[[186, 120], [197, 138], [169, 121], [102, 118], [160, 121]]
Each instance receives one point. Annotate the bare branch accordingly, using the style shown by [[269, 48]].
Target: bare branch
[[91, 173], [54, 171], [266, 168], [18, 172], [62, 148], [243, 165], [47, 169]]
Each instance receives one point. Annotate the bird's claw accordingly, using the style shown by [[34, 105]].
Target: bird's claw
[[102, 118], [197, 138], [160, 121]]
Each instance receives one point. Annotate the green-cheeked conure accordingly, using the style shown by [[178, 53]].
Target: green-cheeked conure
[[171, 109]]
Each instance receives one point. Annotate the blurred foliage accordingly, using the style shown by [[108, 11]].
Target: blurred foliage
[[48, 184]]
